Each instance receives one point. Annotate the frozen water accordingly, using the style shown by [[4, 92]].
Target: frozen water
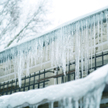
[[74, 41], [69, 95]]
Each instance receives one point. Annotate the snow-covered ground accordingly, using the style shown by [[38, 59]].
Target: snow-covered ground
[[82, 92]]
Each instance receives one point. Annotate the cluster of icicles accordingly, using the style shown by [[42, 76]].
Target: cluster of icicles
[[83, 93], [75, 41]]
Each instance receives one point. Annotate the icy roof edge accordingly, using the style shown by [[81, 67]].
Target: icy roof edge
[[60, 26]]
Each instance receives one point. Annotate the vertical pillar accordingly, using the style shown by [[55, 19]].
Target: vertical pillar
[[95, 61], [11, 87], [68, 72], [55, 79], [34, 81], [39, 80], [102, 59], [24, 83], [7, 87], [16, 85], [44, 79], [29, 82], [57, 74], [3, 88]]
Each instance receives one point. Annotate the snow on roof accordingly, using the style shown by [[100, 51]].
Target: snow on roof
[[90, 88], [60, 26]]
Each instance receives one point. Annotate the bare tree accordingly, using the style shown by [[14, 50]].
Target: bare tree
[[19, 27], [9, 18]]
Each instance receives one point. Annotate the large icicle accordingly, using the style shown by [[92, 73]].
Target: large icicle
[[77, 51], [86, 47], [81, 46]]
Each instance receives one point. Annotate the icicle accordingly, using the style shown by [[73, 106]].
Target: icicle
[[86, 49], [64, 62], [14, 62], [37, 51], [82, 30], [30, 54], [59, 104], [63, 58], [57, 49], [101, 15], [94, 32], [98, 95], [76, 104], [107, 24], [67, 43], [15, 68], [50, 35], [51, 105], [91, 41], [52, 51], [86, 101], [41, 50], [70, 102], [72, 42], [36, 106], [85, 46], [19, 71], [60, 46], [35, 55], [92, 103], [5, 65], [98, 29], [31, 106], [46, 48], [81, 104], [77, 51], [64, 102], [27, 65]]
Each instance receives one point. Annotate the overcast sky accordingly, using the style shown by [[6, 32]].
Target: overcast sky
[[66, 10]]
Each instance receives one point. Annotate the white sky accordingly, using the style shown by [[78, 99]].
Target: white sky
[[66, 10]]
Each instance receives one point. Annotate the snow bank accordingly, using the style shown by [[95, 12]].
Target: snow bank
[[82, 92]]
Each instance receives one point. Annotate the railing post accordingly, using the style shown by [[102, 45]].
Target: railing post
[[57, 74], [16, 85], [0, 89], [11, 87], [95, 61], [44, 79], [29, 82], [68, 72], [24, 83], [39, 80], [3, 88], [34, 80], [74, 75], [7, 87], [102, 59], [62, 77]]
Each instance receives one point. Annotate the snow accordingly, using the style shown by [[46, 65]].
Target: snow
[[82, 92]]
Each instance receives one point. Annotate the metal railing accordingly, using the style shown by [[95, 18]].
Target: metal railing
[[40, 80]]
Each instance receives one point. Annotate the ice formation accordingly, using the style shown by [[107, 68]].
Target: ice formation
[[85, 92], [76, 40]]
